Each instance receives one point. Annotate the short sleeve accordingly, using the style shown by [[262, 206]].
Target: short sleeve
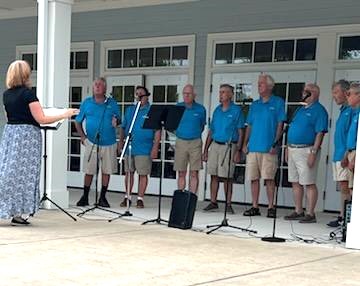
[[81, 116], [30, 96], [250, 117], [203, 117], [115, 109], [321, 124], [281, 111]]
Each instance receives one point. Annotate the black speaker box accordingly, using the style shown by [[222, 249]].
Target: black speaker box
[[182, 209]]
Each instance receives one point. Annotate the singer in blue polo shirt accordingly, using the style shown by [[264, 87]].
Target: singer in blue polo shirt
[[188, 146], [341, 173], [351, 141], [226, 128], [101, 115], [144, 147], [305, 136], [264, 126]]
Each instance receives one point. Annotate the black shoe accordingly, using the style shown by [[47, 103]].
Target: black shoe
[[252, 212], [18, 220], [103, 202], [84, 201], [271, 213], [295, 216], [308, 219], [229, 209], [211, 207], [336, 223]]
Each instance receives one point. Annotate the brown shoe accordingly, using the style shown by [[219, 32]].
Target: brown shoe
[[140, 204], [123, 204]]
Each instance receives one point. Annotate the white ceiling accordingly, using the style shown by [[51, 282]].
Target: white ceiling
[[26, 8]]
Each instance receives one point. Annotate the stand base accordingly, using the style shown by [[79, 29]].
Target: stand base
[[126, 213], [158, 220], [225, 223], [46, 198], [273, 239], [97, 207]]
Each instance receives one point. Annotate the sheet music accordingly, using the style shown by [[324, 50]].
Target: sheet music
[[51, 111]]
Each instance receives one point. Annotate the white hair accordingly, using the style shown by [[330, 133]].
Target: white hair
[[269, 79]]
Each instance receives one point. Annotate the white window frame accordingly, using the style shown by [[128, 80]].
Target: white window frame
[[75, 47], [155, 42], [338, 47]]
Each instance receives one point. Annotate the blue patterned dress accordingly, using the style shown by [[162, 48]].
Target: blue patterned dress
[[20, 165]]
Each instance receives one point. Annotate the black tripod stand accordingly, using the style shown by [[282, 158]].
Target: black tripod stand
[[97, 138], [225, 222], [162, 117], [45, 196]]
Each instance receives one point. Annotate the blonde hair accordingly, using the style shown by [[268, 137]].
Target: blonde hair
[[18, 74]]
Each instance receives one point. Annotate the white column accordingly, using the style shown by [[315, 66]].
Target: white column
[[353, 228], [54, 30]]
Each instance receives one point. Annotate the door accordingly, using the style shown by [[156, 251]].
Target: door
[[332, 192], [289, 86], [165, 89], [78, 91]]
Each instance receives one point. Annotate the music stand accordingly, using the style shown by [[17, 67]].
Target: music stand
[[53, 126], [164, 117]]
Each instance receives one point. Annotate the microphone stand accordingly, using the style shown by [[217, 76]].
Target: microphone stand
[[225, 222], [97, 138], [128, 145]]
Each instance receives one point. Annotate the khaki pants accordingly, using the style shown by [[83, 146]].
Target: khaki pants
[[107, 159], [216, 158], [142, 164], [188, 152], [261, 165]]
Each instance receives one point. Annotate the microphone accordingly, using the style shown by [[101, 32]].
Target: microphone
[[107, 98], [307, 95]]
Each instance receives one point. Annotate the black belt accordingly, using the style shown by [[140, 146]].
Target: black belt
[[350, 150], [299, 145], [224, 143]]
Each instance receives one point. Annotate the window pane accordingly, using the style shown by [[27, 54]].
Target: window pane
[[155, 170], [114, 59], [72, 54], [284, 51], [159, 93], [349, 48], [243, 92], [129, 93], [75, 146], [29, 58], [243, 53], [280, 90], [291, 108], [306, 50], [172, 95], [180, 56], [223, 54], [285, 181], [169, 172], [163, 56], [74, 164], [239, 175], [263, 52], [117, 93], [73, 132], [81, 60], [130, 58], [76, 92], [295, 91], [146, 57]]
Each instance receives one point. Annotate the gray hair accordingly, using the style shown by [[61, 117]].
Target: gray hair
[[269, 79], [100, 78], [355, 86], [343, 84], [228, 86]]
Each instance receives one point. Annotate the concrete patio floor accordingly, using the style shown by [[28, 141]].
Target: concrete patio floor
[[55, 250]]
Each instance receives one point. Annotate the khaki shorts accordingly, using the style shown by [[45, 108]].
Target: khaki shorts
[[216, 156], [340, 174], [261, 165], [298, 170], [351, 156], [140, 164], [107, 159], [188, 152]]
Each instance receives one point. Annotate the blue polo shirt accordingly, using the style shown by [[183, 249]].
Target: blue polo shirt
[[142, 139], [341, 132], [92, 112], [352, 134], [308, 121], [263, 118], [225, 124], [192, 122]]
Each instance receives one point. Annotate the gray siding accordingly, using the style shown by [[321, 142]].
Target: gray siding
[[199, 18]]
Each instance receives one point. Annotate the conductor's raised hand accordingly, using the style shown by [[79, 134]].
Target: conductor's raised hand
[[70, 112]]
